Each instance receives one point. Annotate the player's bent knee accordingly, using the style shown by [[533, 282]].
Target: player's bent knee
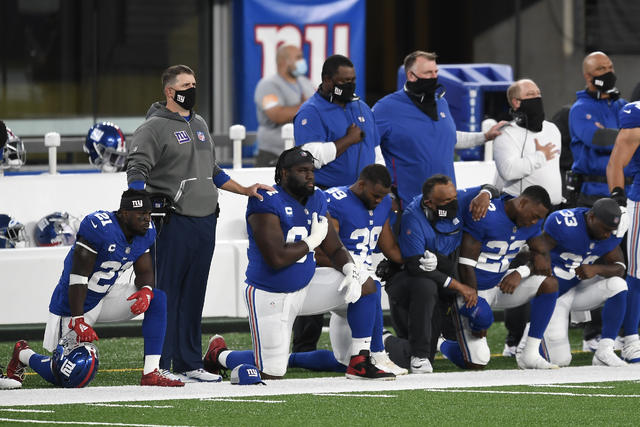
[[615, 285], [548, 286], [275, 370], [479, 353], [562, 359]]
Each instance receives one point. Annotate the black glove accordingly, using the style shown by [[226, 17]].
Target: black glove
[[387, 269], [619, 196]]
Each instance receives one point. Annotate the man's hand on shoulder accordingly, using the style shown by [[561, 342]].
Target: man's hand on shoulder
[[252, 191]]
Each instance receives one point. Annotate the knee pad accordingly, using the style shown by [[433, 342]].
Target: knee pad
[[478, 351]]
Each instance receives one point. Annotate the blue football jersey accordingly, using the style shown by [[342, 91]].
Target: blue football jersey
[[501, 241], [629, 117], [295, 221], [114, 255], [568, 228], [359, 226]]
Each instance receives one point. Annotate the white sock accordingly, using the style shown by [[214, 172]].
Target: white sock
[[222, 357], [151, 363], [628, 339], [25, 355], [358, 344]]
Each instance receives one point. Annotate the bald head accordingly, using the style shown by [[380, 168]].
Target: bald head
[[286, 57], [595, 64], [522, 89]]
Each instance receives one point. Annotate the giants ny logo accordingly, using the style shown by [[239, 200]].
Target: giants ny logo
[[67, 368], [182, 136], [252, 372], [180, 98], [136, 203]]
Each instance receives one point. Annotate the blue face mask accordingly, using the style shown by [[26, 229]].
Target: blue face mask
[[301, 68]]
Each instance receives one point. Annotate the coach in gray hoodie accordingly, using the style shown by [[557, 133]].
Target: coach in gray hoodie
[[172, 153]]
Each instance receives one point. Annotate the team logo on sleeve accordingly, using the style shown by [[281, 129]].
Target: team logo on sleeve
[[201, 136], [182, 136], [303, 122]]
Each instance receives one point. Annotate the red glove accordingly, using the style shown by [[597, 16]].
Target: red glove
[[143, 298], [84, 331]]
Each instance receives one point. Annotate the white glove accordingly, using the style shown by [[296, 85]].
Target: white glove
[[624, 223], [319, 227], [351, 282], [429, 261]]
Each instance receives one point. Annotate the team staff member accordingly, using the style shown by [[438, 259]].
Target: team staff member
[[339, 130], [278, 98], [594, 124], [337, 127], [417, 132], [172, 153], [626, 157]]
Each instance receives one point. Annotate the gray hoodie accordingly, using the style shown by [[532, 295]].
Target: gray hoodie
[[176, 158]]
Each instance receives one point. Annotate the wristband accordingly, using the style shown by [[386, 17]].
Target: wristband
[[148, 287], [467, 261], [621, 264], [77, 279], [524, 271]]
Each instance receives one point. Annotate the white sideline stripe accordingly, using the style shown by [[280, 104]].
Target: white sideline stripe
[[41, 411], [123, 405], [87, 423], [570, 386], [354, 395], [539, 393], [225, 399], [444, 380]]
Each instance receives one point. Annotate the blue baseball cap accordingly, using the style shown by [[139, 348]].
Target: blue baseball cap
[[480, 315], [246, 374]]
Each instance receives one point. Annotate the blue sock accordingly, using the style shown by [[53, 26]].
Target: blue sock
[[451, 350], [613, 314], [378, 323], [154, 324], [542, 307], [318, 360], [42, 365], [632, 315], [236, 358], [360, 315]]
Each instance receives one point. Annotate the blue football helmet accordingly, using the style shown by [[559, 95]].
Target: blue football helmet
[[106, 147], [12, 155], [480, 315], [74, 364], [12, 234], [55, 229]]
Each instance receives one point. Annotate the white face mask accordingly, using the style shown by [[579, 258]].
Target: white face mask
[[301, 68]]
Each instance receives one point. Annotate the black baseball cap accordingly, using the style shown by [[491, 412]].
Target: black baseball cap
[[607, 211]]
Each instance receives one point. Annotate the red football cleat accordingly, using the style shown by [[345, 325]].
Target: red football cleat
[[361, 368], [216, 345], [160, 379], [15, 368]]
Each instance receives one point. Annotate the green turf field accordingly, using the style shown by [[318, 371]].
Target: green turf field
[[600, 403]]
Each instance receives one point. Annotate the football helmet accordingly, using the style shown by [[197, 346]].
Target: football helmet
[[74, 364], [106, 147], [12, 234], [12, 155], [55, 229]]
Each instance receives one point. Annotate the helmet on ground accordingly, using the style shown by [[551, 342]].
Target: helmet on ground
[[54, 230], [12, 154], [12, 234], [106, 147], [74, 364]]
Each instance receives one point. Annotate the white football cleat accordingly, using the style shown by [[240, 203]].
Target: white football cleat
[[605, 356], [198, 376], [420, 365], [527, 360], [381, 360], [631, 351], [591, 345], [7, 383]]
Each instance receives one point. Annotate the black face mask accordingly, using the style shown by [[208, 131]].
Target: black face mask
[[426, 87], [344, 92], [186, 98], [530, 115], [447, 211], [605, 82]]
